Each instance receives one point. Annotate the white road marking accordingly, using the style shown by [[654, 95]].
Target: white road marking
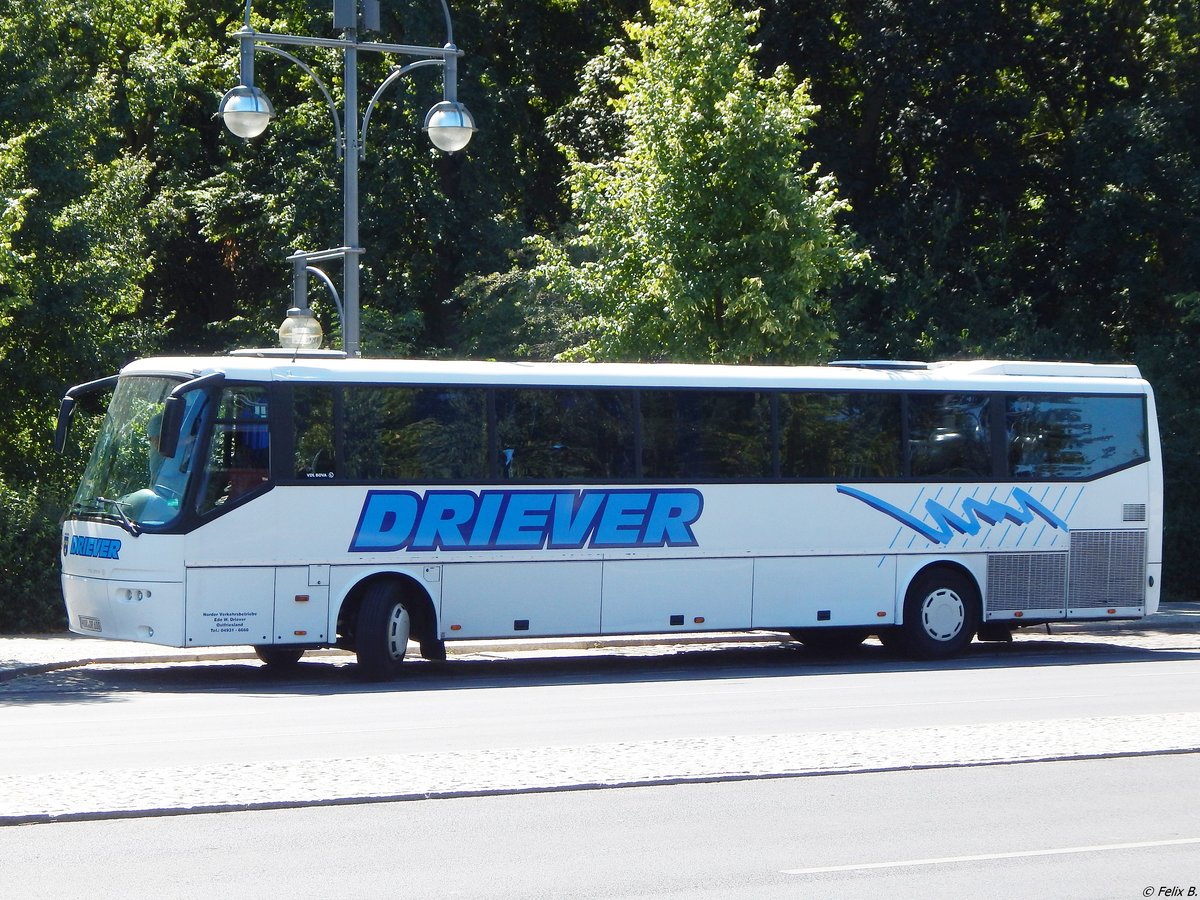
[[983, 857]]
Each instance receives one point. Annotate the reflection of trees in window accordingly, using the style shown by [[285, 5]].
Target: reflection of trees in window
[[560, 434], [416, 434], [136, 455], [949, 436], [123, 460], [706, 434], [315, 452], [431, 434], [1058, 436], [841, 436]]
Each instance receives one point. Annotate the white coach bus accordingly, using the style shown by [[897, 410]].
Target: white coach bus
[[301, 501]]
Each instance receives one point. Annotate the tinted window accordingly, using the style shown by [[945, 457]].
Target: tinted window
[[706, 434], [314, 417], [239, 457], [1057, 436], [565, 434], [844, 436], [949, 436], [415, 434]]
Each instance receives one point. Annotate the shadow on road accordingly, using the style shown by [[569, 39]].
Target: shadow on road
[[333, 676]]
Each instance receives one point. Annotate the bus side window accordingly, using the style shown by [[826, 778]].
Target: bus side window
[[561, 434], [1064, 436], [700, 434], [949, 436], [828, 436], [405, 434], [314, 442]]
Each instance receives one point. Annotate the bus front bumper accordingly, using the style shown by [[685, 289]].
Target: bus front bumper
[[150, 612]]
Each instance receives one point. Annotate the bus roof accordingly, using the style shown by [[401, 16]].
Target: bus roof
[[979, 375]]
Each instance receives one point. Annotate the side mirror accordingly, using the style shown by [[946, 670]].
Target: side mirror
[[66, 409], [175, 406], [172, 421]]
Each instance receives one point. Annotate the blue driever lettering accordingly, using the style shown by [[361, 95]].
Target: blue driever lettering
[[945, 522], [527, 520], [96, 548]]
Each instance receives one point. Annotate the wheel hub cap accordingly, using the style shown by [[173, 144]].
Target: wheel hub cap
[[943, 614]]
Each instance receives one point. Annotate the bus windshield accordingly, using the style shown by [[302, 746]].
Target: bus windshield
[[127, 480]]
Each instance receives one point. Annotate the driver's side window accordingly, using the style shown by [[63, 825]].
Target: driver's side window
[[239, 458]]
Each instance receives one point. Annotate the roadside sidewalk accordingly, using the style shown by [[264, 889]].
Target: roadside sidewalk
[[34, 654]]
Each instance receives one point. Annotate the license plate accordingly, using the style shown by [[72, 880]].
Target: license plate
[[88, 623]]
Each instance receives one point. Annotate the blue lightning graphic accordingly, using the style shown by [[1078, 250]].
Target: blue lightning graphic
[[946, 522]]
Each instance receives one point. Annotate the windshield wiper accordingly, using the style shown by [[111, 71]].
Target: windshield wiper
[[125, 521]]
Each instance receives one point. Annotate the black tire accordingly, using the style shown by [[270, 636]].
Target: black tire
[[278, 657], [830, 641], [941, 615], [381, 637]]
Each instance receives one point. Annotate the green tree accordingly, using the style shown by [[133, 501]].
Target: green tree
[[1026, 176], [1023, 172], [704, 238], [73, 223]]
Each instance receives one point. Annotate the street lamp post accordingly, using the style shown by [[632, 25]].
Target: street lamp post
[[247, 112]]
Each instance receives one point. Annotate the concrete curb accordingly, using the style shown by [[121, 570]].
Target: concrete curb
[[410, 797], [169, 655], [216, 786]]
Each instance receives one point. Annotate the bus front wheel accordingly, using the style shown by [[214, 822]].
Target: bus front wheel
[[941, 614], [381, 637]]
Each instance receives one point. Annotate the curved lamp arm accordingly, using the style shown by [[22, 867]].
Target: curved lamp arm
[[449, 27], [396, 73], [337, 300], [337, 125]]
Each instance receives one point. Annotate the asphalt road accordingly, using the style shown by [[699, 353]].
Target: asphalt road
[[1042, 769], [209, 734], [1121, 829], [232, 714]]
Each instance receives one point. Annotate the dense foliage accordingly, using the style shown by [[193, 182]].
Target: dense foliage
[[703, 238], [901, 179]]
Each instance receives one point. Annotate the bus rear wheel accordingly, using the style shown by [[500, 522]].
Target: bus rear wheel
[[381, 636], [941, 615]]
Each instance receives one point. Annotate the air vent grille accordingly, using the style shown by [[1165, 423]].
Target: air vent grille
[[1027, 581], [1108, 568], [1133, 512]]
